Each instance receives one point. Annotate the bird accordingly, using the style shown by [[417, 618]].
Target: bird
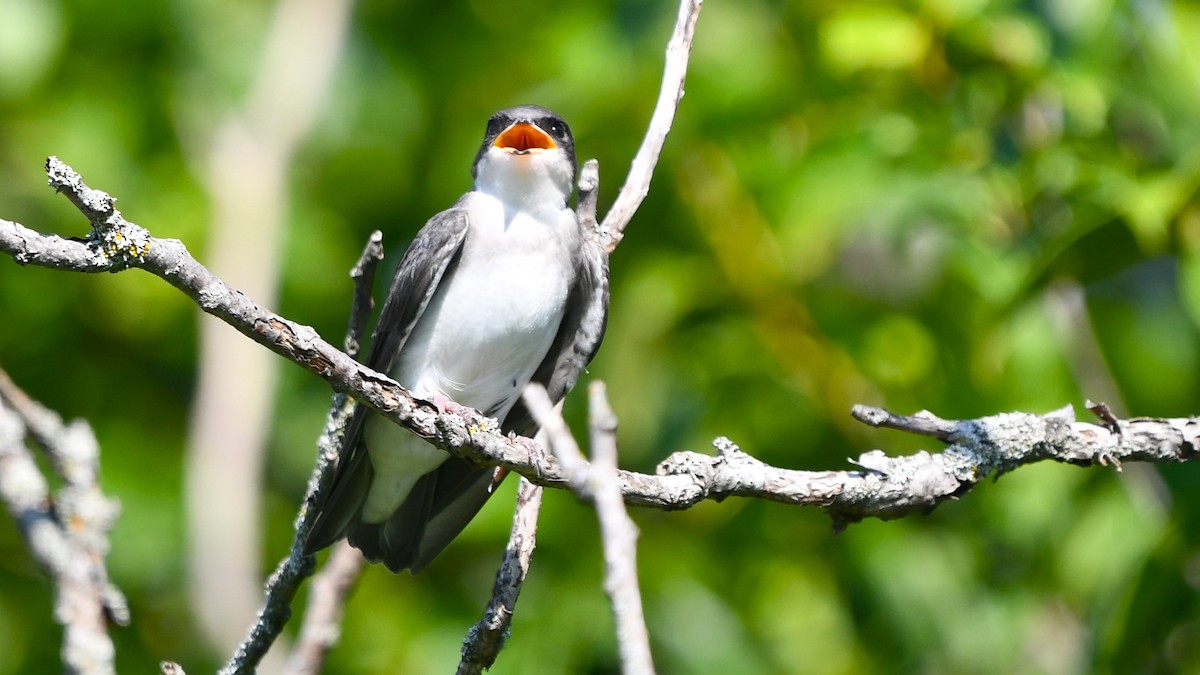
[[504, 288]]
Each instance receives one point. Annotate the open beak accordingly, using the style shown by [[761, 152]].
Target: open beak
[[523, 137]]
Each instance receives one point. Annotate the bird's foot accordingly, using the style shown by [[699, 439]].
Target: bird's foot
[[531, 446], [445, 404]]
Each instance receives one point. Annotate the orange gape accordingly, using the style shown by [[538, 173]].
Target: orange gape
[[523, 137]]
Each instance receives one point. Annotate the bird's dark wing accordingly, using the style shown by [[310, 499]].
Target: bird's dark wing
[[431, 253], [434, 251], [578, 336]]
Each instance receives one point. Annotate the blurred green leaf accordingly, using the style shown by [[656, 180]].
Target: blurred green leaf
[[873, 36]]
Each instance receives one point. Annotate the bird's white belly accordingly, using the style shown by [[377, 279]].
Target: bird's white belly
[[484, 333], [490, 326]]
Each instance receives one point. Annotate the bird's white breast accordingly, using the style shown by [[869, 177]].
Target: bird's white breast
[[492, 321]]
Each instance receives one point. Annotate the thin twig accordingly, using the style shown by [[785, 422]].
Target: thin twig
[[487, 637], [558, 436], [327, 596], [597, 482], [363, 275], [641, 170], [923, 423], [589, 191], [619, 535], [67, 533]]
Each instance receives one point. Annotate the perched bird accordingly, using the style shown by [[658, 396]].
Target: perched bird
[[504, 288]]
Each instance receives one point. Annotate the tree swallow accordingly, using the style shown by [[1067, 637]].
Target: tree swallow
[[504, 288]]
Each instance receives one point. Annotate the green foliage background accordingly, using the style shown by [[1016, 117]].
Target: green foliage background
[[968, 206]]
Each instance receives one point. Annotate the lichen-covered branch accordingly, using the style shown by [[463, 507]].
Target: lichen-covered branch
[[884, 487], [323, 615], [486, 638], [67, 532], [990, 446]]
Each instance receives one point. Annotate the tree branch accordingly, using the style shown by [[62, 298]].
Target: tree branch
[[637, 182], [888, 487], [319, 631], [487, 637], [363, 275], [598, 484], [67, 533], [620, 537], [321, 628]]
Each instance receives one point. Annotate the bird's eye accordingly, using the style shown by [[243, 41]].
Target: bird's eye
[[557, 129], [494, 127]]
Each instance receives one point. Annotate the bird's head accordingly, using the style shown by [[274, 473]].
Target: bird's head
[[527, 154]]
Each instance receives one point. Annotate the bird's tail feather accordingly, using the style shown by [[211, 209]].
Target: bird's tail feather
[[434, 513]]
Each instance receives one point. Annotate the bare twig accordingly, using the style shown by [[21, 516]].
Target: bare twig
[[923, 423], [558, 436], [598, 483], [589, 190], [363, 275], [637, 183], [321, 628], [487, 637], [67, 533], [619, 535]]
